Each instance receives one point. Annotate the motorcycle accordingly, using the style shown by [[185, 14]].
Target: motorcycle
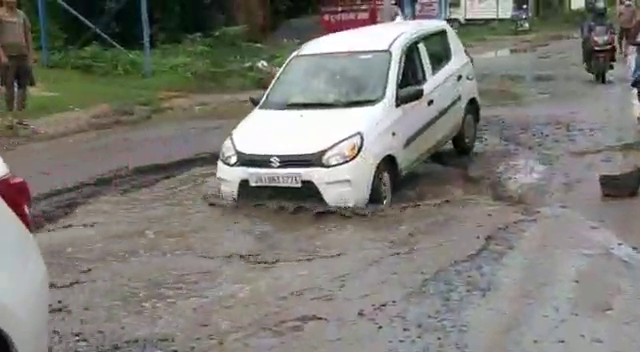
[[520, 19], [603, 44]]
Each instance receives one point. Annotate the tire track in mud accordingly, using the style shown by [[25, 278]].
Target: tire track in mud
[[431, 318], [49, 207]]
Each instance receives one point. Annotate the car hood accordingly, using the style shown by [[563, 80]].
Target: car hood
[[283, 132]]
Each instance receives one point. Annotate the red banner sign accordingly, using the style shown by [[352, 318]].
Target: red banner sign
[[340, 19]]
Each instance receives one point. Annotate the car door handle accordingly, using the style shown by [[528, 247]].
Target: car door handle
[[430, 102], [459, 78]]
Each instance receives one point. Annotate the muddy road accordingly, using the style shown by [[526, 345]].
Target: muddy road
[[512, 250]]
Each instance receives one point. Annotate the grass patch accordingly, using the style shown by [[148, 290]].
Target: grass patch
[[477, 33], [61, 90], [221, 62]]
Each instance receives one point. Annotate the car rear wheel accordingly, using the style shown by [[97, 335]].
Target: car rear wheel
[[465, 140], [382, 186]]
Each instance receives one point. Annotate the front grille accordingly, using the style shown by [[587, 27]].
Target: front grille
[[284, 161]]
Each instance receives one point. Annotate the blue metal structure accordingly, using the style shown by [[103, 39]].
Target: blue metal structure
[[146, 36], [44, 40], [144, 18], [444, 9], [443, 6]]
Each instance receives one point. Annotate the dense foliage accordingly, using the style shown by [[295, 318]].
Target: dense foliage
[[192, 38], [196, 39], [221, 60], [170, 20]]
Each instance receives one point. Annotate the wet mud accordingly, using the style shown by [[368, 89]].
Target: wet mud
[[49, 207], [512, 249], [266, 274], [444, 175]]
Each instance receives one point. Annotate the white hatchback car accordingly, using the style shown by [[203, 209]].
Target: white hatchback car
[[351, 112], [24, 282]]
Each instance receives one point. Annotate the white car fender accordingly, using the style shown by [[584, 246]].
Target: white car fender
[[24, 295]]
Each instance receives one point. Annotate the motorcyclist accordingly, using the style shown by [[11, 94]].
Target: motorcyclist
[[598, 18]]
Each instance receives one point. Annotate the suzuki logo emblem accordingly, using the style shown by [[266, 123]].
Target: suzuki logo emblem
[[274, 161]]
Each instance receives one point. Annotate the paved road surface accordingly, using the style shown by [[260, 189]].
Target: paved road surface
[[62, 163]]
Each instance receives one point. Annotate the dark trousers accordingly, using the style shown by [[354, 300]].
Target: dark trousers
[[16, 72], [623, 36], [586, 51]]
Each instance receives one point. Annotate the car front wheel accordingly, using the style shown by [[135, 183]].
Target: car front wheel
[[382, 186], [465, 140]]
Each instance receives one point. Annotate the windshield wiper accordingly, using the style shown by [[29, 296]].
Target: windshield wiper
[[312, 105], [340, 104], [357, 102]]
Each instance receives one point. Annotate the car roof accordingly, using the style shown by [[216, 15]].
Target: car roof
[[368, 38]]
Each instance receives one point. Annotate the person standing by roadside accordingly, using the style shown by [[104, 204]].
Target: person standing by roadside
[[16, 55], [391, 12], [634, 41], [626, 19], [408, 8]]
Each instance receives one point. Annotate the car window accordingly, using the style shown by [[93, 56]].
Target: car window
[[412, 69], [334, 80], [438, 50]]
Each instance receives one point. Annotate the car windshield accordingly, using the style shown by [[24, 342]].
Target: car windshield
[[330, 81]]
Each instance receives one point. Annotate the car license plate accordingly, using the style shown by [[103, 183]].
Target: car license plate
[[275, 180]]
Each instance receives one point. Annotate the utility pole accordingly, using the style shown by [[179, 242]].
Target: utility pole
[[146, 36], [44, 41]]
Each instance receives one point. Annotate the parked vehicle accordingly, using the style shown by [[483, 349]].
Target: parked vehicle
[[520, 19], [348, 116], [24, 282], [16, 194], [603, 44]]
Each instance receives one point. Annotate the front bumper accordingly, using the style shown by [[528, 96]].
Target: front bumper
[[346, 185]]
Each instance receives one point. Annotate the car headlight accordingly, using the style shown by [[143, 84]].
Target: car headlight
[[228, 154], [343, 151]]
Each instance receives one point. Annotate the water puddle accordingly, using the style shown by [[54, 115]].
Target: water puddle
[[528, 77], [445, 178], [506, 52], [582, 188]]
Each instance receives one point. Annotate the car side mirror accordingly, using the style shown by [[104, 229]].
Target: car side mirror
[[409, 95], [255, 101]]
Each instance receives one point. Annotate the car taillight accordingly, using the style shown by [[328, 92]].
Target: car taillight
[[16, 193]]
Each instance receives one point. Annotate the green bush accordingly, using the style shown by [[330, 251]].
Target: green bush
[[219, 58]]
